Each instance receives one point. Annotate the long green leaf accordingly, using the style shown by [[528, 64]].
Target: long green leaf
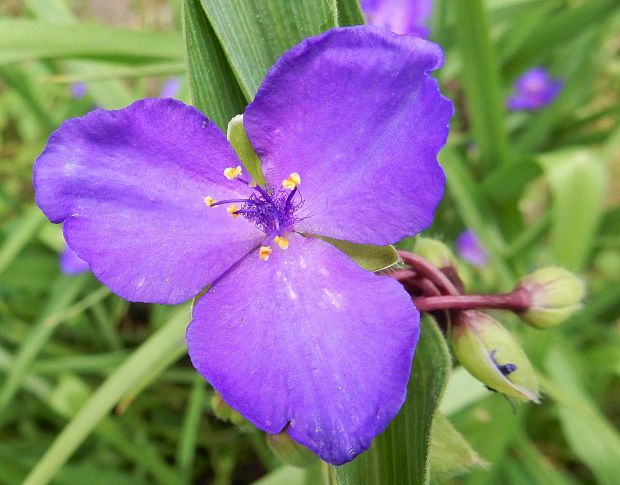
[[22, 40], [63, 293], [349, 13], [168, 339], [400, 453], [24, 229], [213, 87], [476, 215], [556, 30], [592, 438], [480, 73], [254, 33], [578, 180], [110, 94]]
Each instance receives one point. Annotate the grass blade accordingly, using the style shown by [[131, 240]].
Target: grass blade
[[254, 33], [164, 341]]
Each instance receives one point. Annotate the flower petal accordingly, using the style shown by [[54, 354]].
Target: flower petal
[[129, 186], [355, 113], [310, 340]]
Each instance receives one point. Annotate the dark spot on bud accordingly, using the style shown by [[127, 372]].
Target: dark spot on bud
[[505, 369]]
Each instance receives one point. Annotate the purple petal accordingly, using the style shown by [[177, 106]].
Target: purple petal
[[355, 113], [129, 186], [469, 248], [534, 90], [71, 263], [400, 16], [311, 340]]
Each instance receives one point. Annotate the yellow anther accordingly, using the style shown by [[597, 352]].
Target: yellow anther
[[292, 181], [232, 209], [232, 172], [252, 184], [210, 201], [282, 242], [264, 252]]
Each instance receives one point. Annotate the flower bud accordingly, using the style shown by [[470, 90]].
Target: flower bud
[[555, 294], [491, 354], [224, 412], [289, 451], [435, 252]]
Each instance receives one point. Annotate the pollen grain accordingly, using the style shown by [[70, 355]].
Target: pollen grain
[[232, 173], [264, 252], [232, 210], [292, 181], [282, 242]]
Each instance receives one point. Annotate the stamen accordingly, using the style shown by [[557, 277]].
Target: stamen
[[282, 242], [289, 199], [230, 201], [210, 201], [232, 210], [292, 181], [264, 252], [232, 173]]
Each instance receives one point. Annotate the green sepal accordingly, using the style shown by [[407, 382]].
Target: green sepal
[[243, 148], [450, 453], [291, 452], [368, 256]]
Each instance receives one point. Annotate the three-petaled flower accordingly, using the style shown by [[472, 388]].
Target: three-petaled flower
[[292, 333], [534, 90]]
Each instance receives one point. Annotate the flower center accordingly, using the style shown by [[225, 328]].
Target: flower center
[[272, 210]]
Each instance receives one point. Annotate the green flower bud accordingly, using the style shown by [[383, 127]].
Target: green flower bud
[[555, 294], [224, 412], [492, 355], [435, 252], [291, 452]]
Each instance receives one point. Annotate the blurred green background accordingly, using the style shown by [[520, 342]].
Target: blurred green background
[[103, 388]]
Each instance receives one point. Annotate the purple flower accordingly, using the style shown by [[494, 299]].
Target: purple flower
[[469, 248], [400, 16], [534, 90], [71, 263], [170, 88], [78, 90], [292, 333]]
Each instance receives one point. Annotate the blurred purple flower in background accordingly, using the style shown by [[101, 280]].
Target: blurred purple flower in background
[[78, 90], [287, 333], [534, 90], [400, 16], [71, 263], [469, 248], [170, 88]]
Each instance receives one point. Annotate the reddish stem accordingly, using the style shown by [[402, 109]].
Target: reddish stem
[[427, 287], [424, 268], [517, 301], [412, 281]]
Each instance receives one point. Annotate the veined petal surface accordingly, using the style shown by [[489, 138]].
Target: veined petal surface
[[310, 340], [129, 186], [356, 114]]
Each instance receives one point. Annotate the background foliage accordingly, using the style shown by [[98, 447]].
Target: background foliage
[[94, 389]]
